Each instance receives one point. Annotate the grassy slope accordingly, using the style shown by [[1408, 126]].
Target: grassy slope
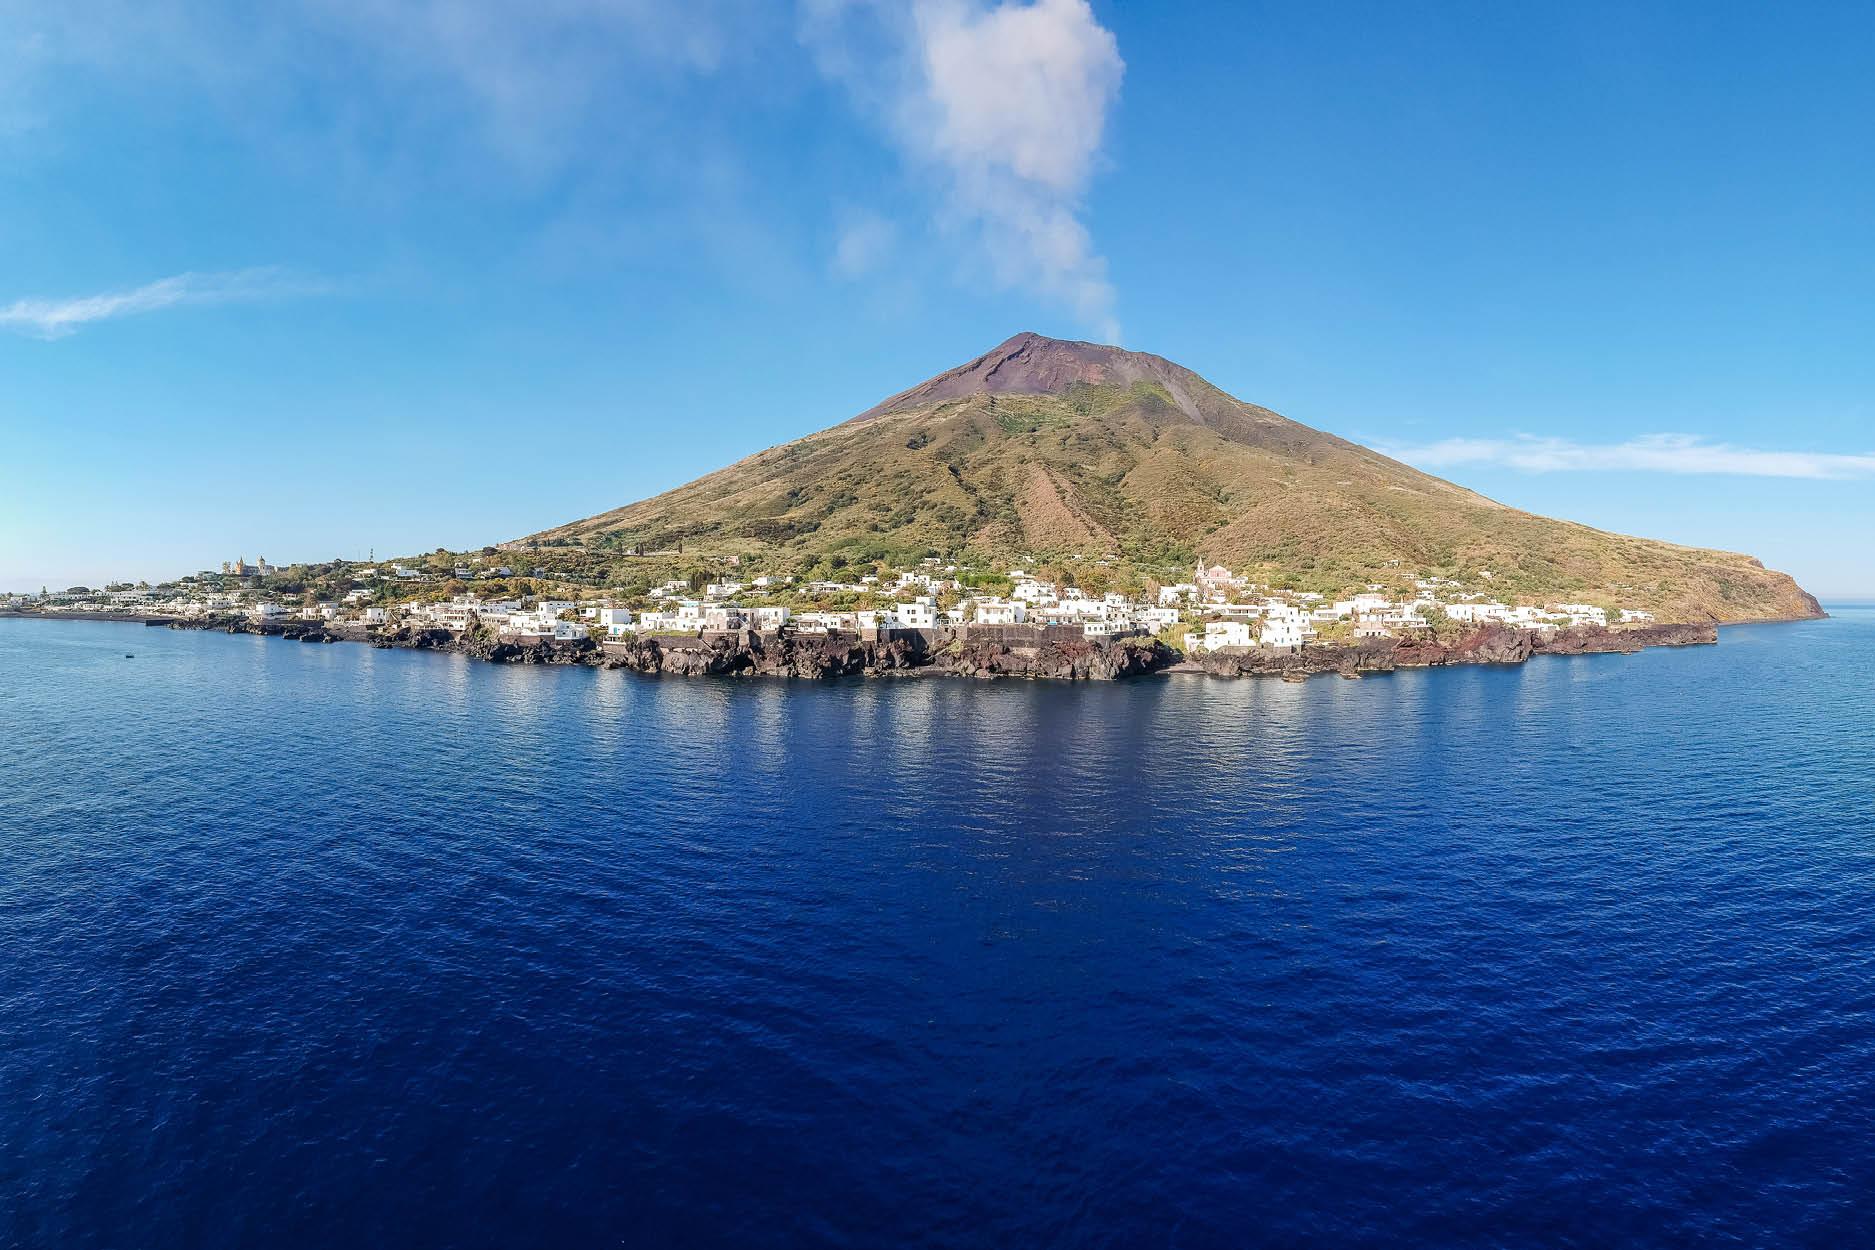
[[1137, 473]]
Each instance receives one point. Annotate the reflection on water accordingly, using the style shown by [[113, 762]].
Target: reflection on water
[[361, 947]]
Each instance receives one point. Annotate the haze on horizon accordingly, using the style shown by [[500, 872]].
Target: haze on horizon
[[327, 277]]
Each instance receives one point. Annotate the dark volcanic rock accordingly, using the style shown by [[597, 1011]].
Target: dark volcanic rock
[[1029, 364], [1370, 656], [824, 656], [1489, 644], [307, 631], [1089, 660], [500, 651], [1590, 639]]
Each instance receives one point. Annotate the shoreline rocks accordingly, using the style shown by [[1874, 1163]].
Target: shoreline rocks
[[1490, 644], [820, 656], [823, 657], [751, 654]]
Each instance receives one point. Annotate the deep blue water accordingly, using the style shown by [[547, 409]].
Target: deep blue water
[[323, 946]]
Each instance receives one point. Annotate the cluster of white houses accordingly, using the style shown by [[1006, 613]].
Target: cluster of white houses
[[1219, 609]]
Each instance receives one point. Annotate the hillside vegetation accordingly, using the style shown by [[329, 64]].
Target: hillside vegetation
[[1050, 451]]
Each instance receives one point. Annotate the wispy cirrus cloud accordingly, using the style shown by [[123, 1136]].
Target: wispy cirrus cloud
[[628, 112], [1005, 105], [1649, 453], [615, 119], [55, 318]]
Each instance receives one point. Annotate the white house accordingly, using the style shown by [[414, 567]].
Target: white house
[[1531, 618], [1285, 630], [822, 622], [523, 627], [767, 618], [615, 621], [1360, 605], [1241, 611], [1000, 612], [455, 615], [1075, 608], [921, 613], [1472, 613], [1031, 591], [1226, 634], [1583, 613]]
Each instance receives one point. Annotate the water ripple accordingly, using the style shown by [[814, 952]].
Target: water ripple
[[320, 946]]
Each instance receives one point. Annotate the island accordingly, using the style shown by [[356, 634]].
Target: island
[[1050, 509]]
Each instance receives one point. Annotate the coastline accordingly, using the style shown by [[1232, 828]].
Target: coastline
[[1819, 615], [900, 654]]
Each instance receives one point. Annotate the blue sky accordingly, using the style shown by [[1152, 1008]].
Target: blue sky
[[306, 279]]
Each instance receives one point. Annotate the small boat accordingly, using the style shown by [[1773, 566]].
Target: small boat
[[129, 656]]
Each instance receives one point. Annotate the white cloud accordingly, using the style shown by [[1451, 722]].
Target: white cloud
[[1000, 107], [1652, 453], [1007, 105], [56, 318], [1021, 88]]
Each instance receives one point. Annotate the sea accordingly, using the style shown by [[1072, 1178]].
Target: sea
[[314, 945]]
